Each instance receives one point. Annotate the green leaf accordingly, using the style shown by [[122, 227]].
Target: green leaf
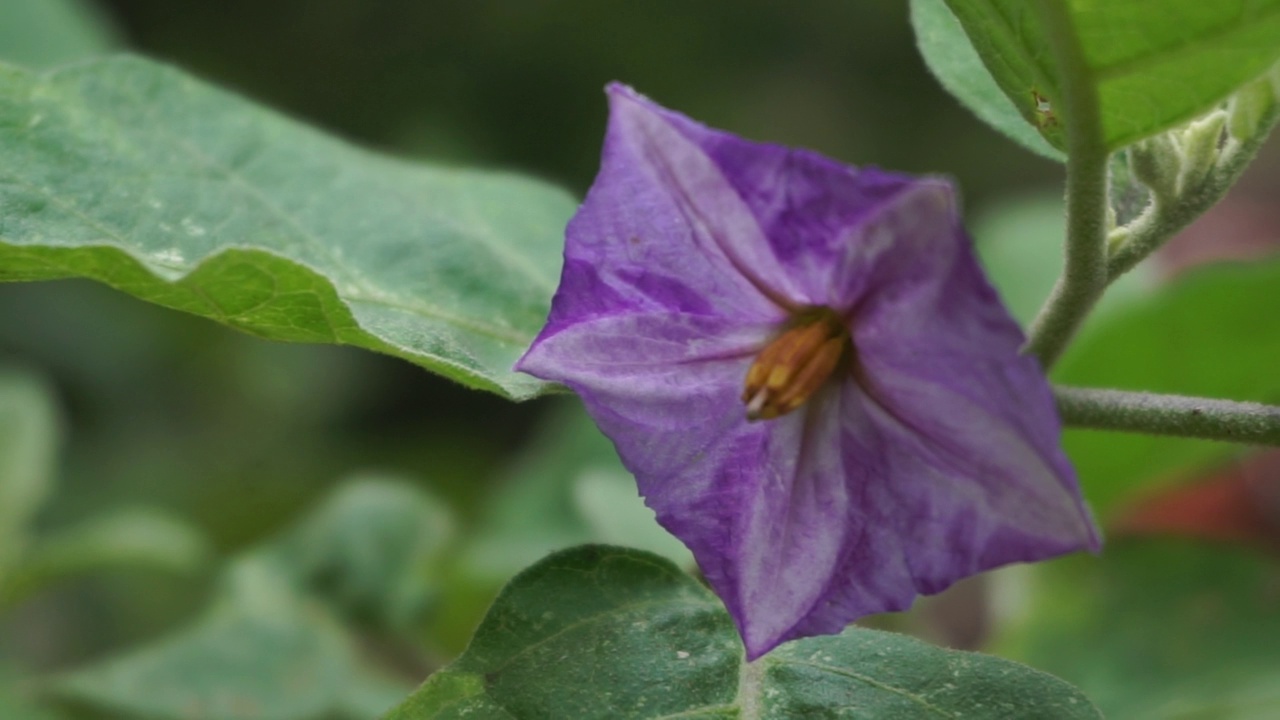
[[1158, 630], [260, 652], [42, 33], [1014, 52], [604, 632], [29, 436], [952, 59], [15, 705], [1212, 334], [1154, 65], [373, 549], [122, 539], [136, 175]]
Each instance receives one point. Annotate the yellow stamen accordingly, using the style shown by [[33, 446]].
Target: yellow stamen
[[791, 368]]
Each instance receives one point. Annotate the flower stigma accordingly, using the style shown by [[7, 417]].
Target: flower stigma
[[797, 363]]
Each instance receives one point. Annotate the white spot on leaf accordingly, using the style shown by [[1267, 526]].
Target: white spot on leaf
[[191, 228], [169, 256]]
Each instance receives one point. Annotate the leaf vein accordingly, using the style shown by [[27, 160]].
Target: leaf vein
[[877, 684]]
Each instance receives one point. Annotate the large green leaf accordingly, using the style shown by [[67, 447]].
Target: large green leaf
[[1160, 630], [1154, 64], [28, 448], [951, 57], [1212, 333], [42, 33], [136, 175], [604, 632]]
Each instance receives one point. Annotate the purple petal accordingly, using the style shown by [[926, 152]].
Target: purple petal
[[967, 423], [663, 386], [809, 208], [662, 228], [801, 501]]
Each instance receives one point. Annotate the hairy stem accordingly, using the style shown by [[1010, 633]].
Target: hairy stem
[[1084, 275], [1152, 414]]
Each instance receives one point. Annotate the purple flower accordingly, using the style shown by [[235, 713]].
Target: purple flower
[[807, 372]]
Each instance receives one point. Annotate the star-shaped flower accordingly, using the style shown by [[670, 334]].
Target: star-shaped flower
[[807, 372]]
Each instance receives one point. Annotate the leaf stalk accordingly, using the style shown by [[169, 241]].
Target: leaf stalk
[[1176, 415], [1084, 276]]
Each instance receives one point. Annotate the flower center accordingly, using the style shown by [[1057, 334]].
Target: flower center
[[794, 365]]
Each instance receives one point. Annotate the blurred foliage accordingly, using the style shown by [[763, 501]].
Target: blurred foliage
[[289, 631], [521, 84], [45, 33], [1160, 629]]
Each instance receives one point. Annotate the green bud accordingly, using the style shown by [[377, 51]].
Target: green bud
[[1200, 141], [1156, 163], [1252, 105]]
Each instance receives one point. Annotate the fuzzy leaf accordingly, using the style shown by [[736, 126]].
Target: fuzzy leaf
[[951, 57], [1155, 65], [138, 176], [44, 33]]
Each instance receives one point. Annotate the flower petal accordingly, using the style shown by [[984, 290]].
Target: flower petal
[[662, 228], [968, 423], [808, 208], [975, 489], [662, 386], [801, 494], [879, 511]]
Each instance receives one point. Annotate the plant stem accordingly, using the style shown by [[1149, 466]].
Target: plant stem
[[1084, 275], [1207, 418]]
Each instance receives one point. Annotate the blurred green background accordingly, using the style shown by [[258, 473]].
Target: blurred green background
[[240, 438]]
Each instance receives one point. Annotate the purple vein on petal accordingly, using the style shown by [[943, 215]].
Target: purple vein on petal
[[661, 146]]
